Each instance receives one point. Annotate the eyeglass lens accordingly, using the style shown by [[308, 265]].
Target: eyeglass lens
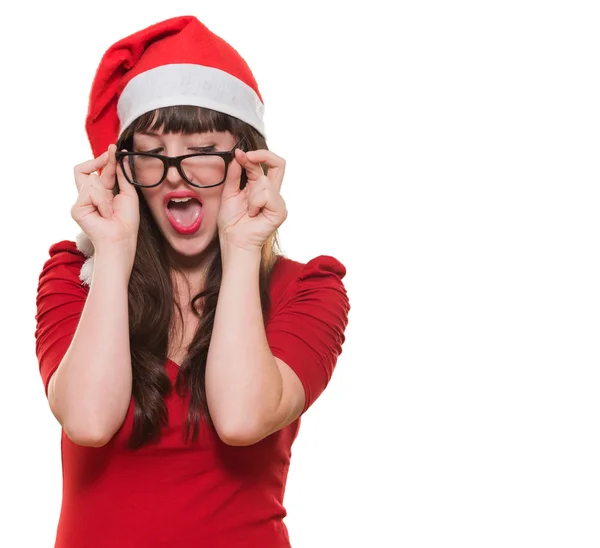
[[199, 170]]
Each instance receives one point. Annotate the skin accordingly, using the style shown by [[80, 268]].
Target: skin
[[190, 252], [250, 393]]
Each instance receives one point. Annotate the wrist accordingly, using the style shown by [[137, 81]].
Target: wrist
[[122, 248], [229, 246], [118, 258], [240, 255]]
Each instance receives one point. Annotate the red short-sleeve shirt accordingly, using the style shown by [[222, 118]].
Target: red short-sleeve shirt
[[172, 493]]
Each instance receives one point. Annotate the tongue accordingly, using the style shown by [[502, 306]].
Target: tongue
[[185, 213]]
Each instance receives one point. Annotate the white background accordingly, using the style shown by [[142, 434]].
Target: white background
[[447, 154]]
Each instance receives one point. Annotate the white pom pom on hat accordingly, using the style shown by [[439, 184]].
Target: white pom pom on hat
[[85, 245]]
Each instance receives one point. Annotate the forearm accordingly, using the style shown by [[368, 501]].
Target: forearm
[[91, 389], [243, 383]]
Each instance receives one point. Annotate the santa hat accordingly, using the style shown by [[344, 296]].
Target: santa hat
[[174, 62]]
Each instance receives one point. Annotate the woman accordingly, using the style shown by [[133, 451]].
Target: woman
[[177, 347]]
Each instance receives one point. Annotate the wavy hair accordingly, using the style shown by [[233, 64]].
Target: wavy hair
[[151, 296]]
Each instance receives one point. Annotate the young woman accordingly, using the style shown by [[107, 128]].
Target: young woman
[[178, 348]]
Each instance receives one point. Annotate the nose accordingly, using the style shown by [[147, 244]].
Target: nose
[[173, 176]]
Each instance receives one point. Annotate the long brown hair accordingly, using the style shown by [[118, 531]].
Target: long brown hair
[[151, 291]]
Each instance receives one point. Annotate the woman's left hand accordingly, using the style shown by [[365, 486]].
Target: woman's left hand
[[248, 217]]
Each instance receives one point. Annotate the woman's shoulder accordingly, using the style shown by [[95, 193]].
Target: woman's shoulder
[[64, 252], [291, 277], [287, 270], [64, 261], [65, 249]]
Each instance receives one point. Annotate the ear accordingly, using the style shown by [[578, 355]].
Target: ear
[[85, 245]]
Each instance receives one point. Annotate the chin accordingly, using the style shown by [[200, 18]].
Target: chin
[[191, 246]]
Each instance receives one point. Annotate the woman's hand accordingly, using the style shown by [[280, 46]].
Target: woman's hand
[[248, 217], [107, 218]]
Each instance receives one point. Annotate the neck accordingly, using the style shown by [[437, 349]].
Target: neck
[[189, 274]]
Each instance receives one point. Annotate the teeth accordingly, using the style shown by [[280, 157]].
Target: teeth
[[187, 199]]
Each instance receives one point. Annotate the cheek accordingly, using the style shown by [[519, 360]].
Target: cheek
[[152, 198], [212, 202]]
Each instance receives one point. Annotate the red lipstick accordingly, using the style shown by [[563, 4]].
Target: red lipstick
[[181, 228]]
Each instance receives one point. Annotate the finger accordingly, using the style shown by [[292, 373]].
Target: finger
[[231, 187], [273, 207], [92, 165], [276, 164], [86, 168], [99, 198], [83, 199], [266, 199], [108, 172], [125, 186], [256, 201], [254, 170], [93, 197]]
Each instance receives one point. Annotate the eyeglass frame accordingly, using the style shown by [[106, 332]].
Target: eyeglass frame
[[175, 161]]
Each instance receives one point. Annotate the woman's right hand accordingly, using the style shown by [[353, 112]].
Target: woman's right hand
[[107, 218]]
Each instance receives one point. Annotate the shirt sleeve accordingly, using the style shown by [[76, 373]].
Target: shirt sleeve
[[60, 301], [307, 332]]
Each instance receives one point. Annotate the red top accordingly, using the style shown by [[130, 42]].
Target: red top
[[172, 494]]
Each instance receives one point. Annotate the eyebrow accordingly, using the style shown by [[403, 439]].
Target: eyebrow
[[151, 134]]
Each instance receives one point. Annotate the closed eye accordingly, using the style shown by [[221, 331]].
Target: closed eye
[[202, 149], [153, 151]]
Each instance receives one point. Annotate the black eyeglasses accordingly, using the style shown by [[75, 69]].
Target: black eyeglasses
[[201, 169]]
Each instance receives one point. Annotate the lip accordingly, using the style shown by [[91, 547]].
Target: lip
[[183, 194]]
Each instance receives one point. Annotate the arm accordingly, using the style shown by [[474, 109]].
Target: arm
[[250, 393], [90, 391], [256, 386]]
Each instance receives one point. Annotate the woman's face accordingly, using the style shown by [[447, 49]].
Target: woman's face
[[189, 227]]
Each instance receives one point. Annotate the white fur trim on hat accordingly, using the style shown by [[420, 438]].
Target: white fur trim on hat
[[189, 84]]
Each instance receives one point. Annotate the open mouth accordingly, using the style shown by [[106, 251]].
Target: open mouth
[[185, 214], [184, 210]]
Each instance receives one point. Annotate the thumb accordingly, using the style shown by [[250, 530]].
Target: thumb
[[231, 186], [107, 177], [125, 187]]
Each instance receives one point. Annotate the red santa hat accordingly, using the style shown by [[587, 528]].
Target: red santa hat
[[174, 62]]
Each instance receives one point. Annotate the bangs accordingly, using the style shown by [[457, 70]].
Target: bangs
[[188, 120], [184, 119]]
